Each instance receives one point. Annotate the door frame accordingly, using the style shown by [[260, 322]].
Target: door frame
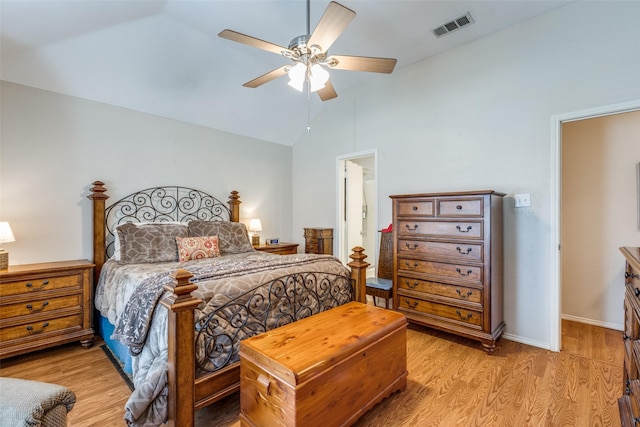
[[340, 206], [555, 284]]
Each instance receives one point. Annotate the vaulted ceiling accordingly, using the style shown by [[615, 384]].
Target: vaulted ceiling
[[165, 58]]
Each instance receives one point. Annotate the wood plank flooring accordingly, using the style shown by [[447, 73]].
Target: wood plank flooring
[[452, 382]]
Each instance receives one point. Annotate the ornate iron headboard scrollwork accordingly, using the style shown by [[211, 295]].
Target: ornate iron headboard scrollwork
[[163, 204], [157, 204]]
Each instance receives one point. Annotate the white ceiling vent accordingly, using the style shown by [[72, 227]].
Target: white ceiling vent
[[451, 26]]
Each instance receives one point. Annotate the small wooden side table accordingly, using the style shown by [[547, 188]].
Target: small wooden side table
[[282, 248], [47, 304]]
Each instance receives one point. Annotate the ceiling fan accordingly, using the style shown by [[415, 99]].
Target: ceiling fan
[[309, 54]]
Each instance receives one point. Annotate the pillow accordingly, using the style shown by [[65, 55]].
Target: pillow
[[116, 239], [150, 242], [233, 237], [197, 248]]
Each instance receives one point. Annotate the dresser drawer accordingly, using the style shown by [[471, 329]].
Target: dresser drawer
[[458, 314], [39, 284], [460, 208], [464, 230], [40, 327], [457, 292], [452, 251], [42, 305], [416, 208], [472, 274]]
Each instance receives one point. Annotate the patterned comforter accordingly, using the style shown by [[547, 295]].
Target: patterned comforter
[[128, 294]]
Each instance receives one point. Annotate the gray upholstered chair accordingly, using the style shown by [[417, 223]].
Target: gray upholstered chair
[[382, 284], [34, 403]]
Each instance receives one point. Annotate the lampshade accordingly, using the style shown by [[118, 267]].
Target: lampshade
[[297, 76], [255, 225], [318, 76], [6, 235]]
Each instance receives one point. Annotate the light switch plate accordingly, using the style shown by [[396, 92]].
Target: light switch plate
[[523, 200]]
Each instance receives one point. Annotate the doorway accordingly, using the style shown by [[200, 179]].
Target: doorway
[[556, 206], [357, 204]]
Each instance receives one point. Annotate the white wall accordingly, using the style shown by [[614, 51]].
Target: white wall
[[479, 117], [599, 214], [53, 146]]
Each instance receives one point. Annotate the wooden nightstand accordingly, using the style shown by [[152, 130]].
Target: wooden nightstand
[[47, 304], [279, 248]]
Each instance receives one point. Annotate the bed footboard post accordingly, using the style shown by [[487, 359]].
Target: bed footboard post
[[234, 205], [359, 274], [181, 360], [98, 197]]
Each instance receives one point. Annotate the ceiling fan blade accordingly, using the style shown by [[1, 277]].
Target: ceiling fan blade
[[252, 41], [362, 63], [266, 78], [327, 92], [333, 22]]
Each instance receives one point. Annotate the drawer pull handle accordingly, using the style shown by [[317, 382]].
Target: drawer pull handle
[[415, 208], [636, 291], [411, 304], [409, 266], [411, 285], [463, 231], [35, 310], [464, 253], [44, 283], [469, 293], [464, 274], [459, 207], [412, 247], [414, 228], [625, 337], [633, 276], [37, 331], [467, 317]]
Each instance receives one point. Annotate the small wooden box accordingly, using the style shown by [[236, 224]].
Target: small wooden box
[[325, 370]]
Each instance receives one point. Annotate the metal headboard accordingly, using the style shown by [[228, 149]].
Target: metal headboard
[[163, 204]]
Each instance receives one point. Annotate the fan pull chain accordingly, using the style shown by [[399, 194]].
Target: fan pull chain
[[308, 108]]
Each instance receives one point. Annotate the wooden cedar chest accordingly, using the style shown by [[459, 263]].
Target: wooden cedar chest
[[325, 370]]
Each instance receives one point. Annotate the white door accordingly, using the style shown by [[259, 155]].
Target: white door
[[354, 213]]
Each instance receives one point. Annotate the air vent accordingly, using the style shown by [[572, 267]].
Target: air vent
[[454, 25]]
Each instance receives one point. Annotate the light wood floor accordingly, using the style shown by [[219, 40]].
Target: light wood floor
[[452, 382]]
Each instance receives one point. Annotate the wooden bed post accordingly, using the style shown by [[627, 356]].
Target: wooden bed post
[[181, 367], [234, 205], [98, 197], [359, 273]]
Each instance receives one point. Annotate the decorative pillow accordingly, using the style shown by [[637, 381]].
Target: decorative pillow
[[150, 242], [233, 237], [197, 247]]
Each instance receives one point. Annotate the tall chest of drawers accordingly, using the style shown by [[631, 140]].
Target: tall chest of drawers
[[629, 403], [447, 262], [42, 305]]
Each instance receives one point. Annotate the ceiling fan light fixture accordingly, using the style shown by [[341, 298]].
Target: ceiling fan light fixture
[[318, 76], [297, 76]]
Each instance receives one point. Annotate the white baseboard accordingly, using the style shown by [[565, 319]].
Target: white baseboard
[[614, 326], [526, 341]]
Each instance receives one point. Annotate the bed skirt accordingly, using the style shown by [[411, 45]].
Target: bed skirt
[[105, 330]]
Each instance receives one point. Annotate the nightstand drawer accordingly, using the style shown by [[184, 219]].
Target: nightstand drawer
[[40, 327], [42, 305], [39, 284]]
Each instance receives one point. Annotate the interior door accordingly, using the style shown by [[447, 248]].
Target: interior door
[[354, 213]]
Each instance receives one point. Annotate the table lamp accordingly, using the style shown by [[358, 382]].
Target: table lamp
[[6, 236], [255, 226]]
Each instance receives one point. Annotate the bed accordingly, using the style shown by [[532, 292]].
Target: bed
[[170, 305]]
